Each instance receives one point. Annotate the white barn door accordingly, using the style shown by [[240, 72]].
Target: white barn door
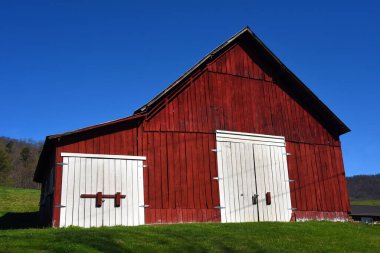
[[253, 177], [102, 190]]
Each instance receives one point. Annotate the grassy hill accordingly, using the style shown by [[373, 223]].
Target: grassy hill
[[244, 237]]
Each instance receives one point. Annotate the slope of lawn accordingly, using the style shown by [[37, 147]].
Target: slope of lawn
[[247, 237], [244, 237], [18, 200], [366, 202]]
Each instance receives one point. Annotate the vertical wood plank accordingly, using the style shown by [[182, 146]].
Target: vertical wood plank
[[106, 190], [93, 190], [207, 169], [135, 193], [157, 170], [243, 184], [100, 188], [260, 179], [111, 190], [277, 181], [201, 170], [183, 176], [76, 201], [228, 187], [221, 181], [214, 170], [164, 175], [81, 188], [171, 170], [291, 174], [87, 202], [288, 203], [235, 180], [124, 189], [118, 177], [64, 192], [190, 168], [140, 178], [246, 182], [342, 176], [130, 183]]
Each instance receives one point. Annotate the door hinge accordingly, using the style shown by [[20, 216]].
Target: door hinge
[[216, 150], [217, 178], [145, 206], [219, 207], [62, 164], [290, 180]]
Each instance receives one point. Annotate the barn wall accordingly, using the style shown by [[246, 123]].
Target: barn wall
[[320, 183], [179, 176], [218, 99]]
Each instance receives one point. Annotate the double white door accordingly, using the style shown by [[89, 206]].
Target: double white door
[[253, 177]]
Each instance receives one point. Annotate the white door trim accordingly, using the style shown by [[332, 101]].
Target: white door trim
[[104, 156], [259, 139]]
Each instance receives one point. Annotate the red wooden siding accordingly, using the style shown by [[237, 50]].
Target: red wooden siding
[[222, 101], [319, 178], [179, 178]]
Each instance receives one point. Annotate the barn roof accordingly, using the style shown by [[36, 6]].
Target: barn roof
[[318, 108], [94, 127]]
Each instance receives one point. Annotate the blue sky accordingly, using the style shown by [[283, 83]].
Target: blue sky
[[70, 64]]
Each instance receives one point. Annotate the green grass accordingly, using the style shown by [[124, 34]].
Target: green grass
[[366, 202], [18, 200], [244, 237]]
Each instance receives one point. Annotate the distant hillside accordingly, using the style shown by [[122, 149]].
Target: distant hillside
[[364, 187], [18, 159]]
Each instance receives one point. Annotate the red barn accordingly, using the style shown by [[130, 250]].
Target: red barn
[[236, 138]]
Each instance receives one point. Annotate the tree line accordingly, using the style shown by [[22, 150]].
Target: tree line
[[18, 160], [364, 187]]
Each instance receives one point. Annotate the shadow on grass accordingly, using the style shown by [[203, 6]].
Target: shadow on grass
[[19, 220]]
